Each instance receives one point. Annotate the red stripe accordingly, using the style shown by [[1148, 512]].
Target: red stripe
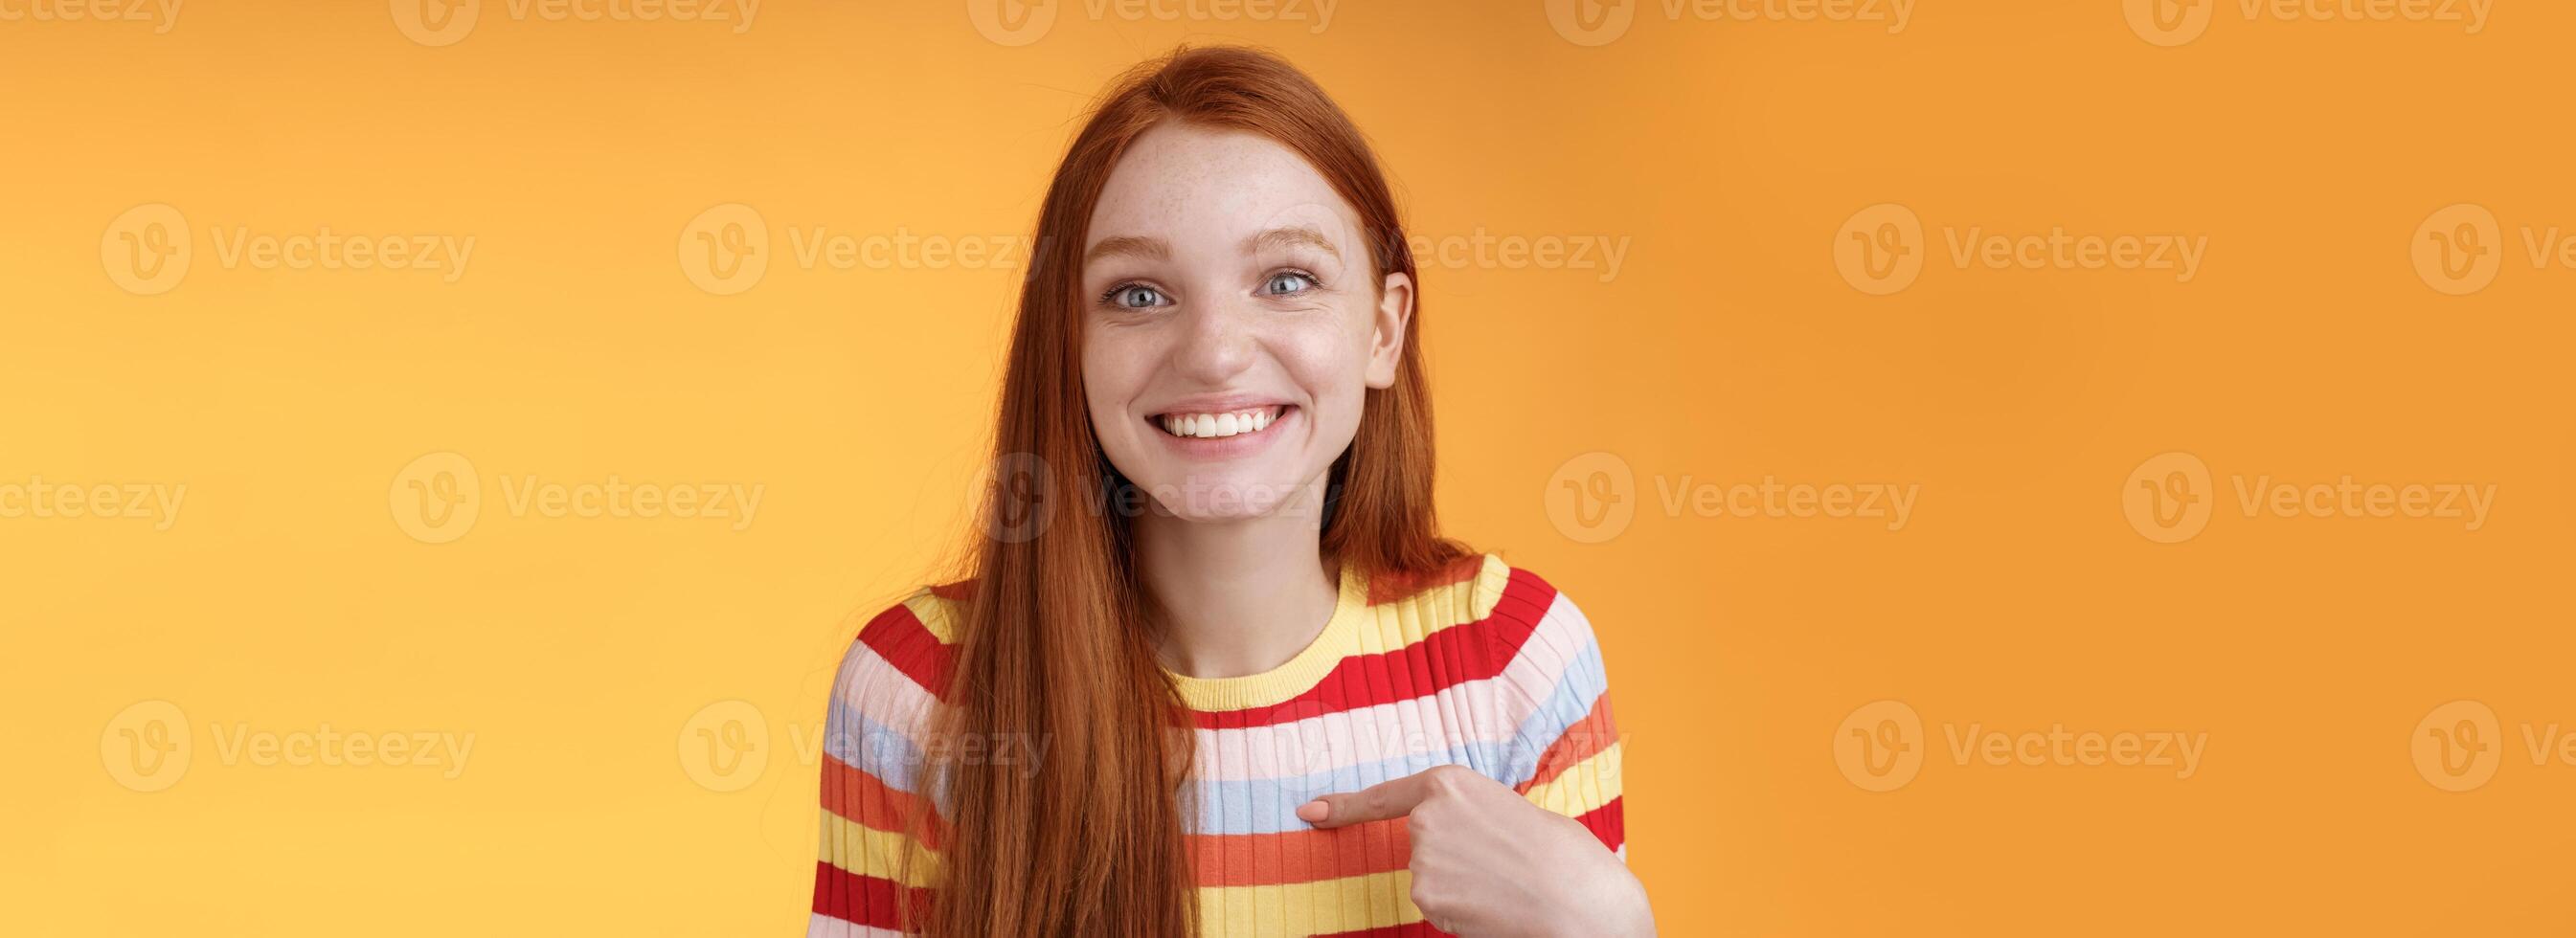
[[1608, 822], [853, 793], [1457, 654], [1413, 930], [1585, 739], [1393, 585], [1301, 856], [862, 900], [899, 637], [1451, 656]]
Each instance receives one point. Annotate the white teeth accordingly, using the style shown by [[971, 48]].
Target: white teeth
[[1214, 426]]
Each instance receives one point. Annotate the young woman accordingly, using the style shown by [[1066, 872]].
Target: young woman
[[1213, 670]]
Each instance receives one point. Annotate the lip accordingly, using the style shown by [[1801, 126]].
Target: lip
[[1216, 404], [1227, 447]]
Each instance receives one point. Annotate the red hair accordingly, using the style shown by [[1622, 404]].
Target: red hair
[[1052, 644]]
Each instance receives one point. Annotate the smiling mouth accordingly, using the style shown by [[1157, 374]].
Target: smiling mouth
[[1213, 426]]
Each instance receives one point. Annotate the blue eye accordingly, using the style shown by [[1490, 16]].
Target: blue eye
[[1132, 296], [1288, 282]]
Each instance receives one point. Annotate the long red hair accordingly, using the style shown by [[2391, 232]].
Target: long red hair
[[1052, 644]]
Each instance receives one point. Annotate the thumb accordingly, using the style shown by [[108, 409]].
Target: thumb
[[1393, 798]]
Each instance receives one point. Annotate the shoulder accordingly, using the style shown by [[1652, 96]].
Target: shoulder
[[1542, 645], [1470, 589], [1517, 615], [897, 667]]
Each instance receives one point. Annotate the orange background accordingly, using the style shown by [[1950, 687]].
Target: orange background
[[584, 654]]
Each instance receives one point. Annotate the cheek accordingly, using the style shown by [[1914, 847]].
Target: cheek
[[1112, 371], [1329, 365]]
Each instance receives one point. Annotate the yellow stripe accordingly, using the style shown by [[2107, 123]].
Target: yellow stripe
[[936, 614], [1349, 903], [858, 848], [1375, 900], [1583, 786], [1356, 628], [1405, 621]]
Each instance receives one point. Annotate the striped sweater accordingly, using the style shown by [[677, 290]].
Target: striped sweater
[[1482, 665]]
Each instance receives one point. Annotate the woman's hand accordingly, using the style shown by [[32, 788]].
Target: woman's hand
[[1487, 862]]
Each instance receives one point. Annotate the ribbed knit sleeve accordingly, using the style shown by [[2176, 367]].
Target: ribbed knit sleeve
[[1565, 752], [874, 811]]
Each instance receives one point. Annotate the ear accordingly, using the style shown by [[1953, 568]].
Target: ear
[[1386, 336]]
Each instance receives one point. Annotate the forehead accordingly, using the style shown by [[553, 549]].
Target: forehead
[[1179, 180]]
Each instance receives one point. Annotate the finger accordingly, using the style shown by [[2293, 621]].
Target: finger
[[1393, 798]]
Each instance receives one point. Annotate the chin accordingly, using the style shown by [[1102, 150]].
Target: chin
[[1226, 498]]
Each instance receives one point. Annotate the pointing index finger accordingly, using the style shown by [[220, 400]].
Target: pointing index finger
[[1393, 798]]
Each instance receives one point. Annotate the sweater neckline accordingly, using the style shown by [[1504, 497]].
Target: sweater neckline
[[1340, 636]]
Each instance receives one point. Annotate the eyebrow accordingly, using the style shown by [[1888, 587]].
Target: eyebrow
[[1133, 245], [1158, 249], [1286, 237]]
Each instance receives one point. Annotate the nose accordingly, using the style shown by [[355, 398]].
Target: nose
[[1216, 343]]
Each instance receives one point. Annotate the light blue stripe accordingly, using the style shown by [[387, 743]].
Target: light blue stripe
[[1269, 806]]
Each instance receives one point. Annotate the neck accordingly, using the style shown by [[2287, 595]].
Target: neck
[[1240, 596]]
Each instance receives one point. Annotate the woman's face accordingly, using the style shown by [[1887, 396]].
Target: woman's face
[[1233, 321]]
